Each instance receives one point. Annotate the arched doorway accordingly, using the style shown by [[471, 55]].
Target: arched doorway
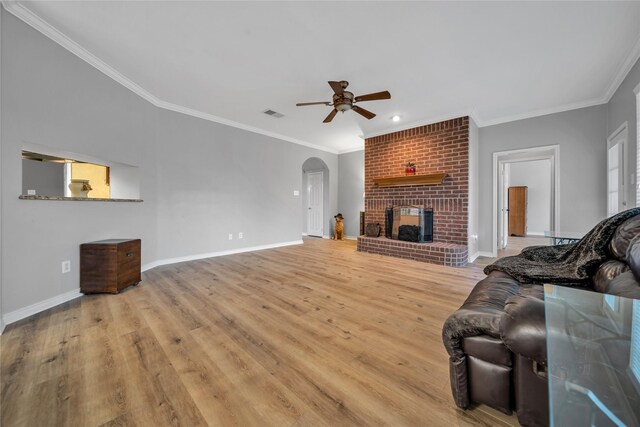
[[315, 198]]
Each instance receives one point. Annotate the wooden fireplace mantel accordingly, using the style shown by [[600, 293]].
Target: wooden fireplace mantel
[[397, 181]]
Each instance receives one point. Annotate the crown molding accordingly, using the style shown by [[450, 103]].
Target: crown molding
[[627, 65], [544, 112], [21, 12], [27, 16], [33, 20], [210, 117], [623, 71], [435, 119], [351, 150]]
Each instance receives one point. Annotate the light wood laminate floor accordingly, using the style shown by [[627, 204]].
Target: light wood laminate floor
[[515, 246], [310, 335]]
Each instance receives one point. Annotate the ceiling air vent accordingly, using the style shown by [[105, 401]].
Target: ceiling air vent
[[273, 114]]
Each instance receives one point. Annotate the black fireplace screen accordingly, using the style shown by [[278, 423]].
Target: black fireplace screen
[[409, 223]]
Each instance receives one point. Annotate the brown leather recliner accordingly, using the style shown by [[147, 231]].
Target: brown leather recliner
[[500, 360]]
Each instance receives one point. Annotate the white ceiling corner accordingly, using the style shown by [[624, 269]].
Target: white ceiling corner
[[223, 61], [351, 150], [21, 12], [27, 16]]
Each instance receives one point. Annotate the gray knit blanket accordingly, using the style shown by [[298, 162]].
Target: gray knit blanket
[[568, 264]]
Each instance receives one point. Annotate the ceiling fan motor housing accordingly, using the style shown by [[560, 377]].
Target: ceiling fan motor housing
[[343, 102]]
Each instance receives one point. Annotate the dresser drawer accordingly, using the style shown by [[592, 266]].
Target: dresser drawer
[[129, 252]]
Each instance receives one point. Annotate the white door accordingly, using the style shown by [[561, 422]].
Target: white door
[[314, 204], [616, 185]]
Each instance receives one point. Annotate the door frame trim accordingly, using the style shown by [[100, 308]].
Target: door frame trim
[[502, 186], [622, 132], [551, 152]]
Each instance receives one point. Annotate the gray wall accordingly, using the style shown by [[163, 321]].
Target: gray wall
[[47, 178], [214, 180], [199, 180], [622, 108], [581, 135], [351, 190], [53, 99], [536, 176]]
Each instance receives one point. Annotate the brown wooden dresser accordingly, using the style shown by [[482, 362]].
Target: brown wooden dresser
[[109, 265], [518, 211]]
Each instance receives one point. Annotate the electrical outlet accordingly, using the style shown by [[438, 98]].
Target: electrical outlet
[[230, 236], [240, 235], [66, 266], [296, 192], [31, 192]]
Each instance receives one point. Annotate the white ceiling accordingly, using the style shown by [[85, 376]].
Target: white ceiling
[[497, 61]]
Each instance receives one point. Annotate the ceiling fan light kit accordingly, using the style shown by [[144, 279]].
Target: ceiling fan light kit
[[344, 100]]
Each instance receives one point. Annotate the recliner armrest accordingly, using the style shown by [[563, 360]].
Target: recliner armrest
[[480, 314], [523, 327]]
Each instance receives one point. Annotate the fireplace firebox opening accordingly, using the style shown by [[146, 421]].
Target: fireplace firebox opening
[[409, 224]]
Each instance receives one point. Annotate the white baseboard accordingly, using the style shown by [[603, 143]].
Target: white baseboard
[[535, 233], [217, 254], [473, 257], [486, 254], [32, 309]]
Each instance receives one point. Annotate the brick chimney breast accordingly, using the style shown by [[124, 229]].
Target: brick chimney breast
[[434, 148]]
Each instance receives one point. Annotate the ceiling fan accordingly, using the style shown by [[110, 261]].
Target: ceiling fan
[[343, 100]]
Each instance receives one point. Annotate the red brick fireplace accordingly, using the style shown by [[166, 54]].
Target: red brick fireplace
[[436, 148]]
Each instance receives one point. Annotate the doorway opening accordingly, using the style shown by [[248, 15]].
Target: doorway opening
[[315, 198], [525, 194]]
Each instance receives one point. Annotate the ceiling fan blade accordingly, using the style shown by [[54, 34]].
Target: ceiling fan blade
[[330, 116], [364, 113], [373, 96], [337, 87], [302, 104]]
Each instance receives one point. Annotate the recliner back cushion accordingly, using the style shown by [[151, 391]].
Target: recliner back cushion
[[608, 271], [625, 285], [623, 235], [633, 256]]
